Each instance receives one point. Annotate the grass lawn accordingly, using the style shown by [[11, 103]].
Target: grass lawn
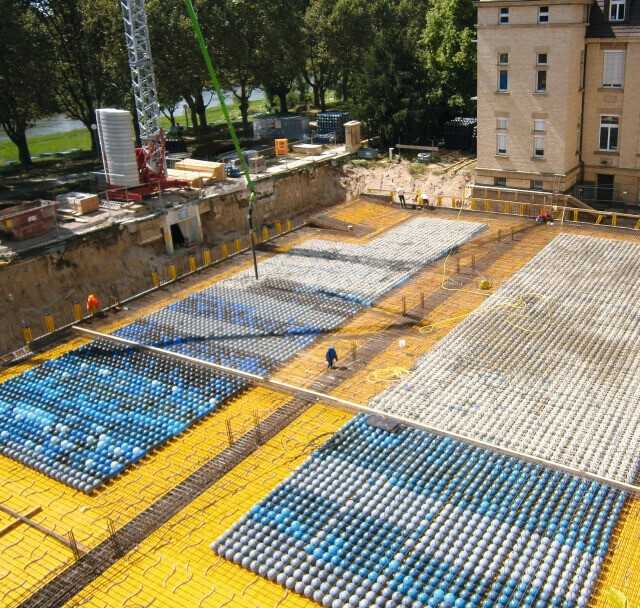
[[79, 138], [56, 142]]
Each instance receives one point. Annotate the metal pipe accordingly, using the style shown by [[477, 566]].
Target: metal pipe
[[299, 391]]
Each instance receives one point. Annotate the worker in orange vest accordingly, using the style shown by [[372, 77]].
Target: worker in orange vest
[[93, 304]]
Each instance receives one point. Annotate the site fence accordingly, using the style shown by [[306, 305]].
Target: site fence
[[559, 213]]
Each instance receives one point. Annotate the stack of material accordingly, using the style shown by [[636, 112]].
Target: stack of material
[[257, 164], [308, 149], [193, 178], [28, 220], [332, 123], [79, 202], [208, 170], [353, 135]]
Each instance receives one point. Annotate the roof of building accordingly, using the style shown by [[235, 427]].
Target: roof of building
[[601, 27]]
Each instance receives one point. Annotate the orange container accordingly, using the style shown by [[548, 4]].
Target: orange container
[[282, 147]]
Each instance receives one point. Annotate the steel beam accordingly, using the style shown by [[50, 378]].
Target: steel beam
[[309, 394]]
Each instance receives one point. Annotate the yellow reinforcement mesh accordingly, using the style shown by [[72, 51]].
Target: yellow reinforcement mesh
[[621, 571], [28, 558], [175, 566]]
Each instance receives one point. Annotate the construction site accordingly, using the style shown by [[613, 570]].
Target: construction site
[[312, 378]]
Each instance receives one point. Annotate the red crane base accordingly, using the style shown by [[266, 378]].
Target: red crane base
[[139, 193]]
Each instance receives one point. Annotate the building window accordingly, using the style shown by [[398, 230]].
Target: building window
[[504, 15], [542, 59], [538, 125], [502, 124], [541, 81], [613, 69], [616, 10], [503, 80], [503, 58], [500, 181], [501, 144], [538, 146], [537, 184], [543, 14], [609, 133]]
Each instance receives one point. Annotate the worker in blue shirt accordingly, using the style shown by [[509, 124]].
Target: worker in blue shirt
[[332, 357]]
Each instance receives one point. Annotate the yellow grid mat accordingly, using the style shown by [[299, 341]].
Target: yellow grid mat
[[175, 566], [28, 559]]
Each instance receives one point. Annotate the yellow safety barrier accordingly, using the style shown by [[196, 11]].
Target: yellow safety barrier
[[237, 245], [193, 264], [49, 323], [265, 233], [27, 334], [278, 227], [439, 201], [637, 226], [487, 205], [575, 215], [599, 219], [614, 219], [206, 257], [172, 271], [289, 225], [77, 312], [155, 278], [224, 250]]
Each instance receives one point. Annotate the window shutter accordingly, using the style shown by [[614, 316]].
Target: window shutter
[[618, 67], [613, 70]]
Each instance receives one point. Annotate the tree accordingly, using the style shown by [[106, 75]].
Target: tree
[[321, 68], [281, 46], [449, 55], [389, 86], [232, 29], [25, 94], [86, 42], [179, 69]]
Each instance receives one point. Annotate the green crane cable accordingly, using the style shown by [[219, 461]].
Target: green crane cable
[[215, 81]]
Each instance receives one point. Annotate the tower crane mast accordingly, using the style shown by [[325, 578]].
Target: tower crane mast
[[151, 157]]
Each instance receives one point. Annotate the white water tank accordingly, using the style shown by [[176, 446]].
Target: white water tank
[[117, 143]]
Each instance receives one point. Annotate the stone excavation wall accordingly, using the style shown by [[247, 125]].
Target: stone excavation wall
[[119, 261]]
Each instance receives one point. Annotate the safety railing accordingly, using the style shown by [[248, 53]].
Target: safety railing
[[523, 209]]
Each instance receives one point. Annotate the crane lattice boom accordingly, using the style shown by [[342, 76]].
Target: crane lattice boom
[[144, 83]]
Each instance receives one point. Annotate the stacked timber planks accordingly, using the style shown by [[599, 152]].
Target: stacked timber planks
[[208, 170], [193, 178]]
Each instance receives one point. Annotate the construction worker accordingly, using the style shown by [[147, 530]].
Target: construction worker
[[403, 202], [93, 304], [332, 357]]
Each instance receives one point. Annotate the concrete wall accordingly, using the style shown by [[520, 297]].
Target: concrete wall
[[284, 197], [625, 163], [120, 259], [562, 39]]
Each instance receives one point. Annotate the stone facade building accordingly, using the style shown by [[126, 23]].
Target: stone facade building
[[559, 96]]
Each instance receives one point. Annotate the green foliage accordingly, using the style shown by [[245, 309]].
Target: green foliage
[[48, 144], [25, 91], [448, 50], [389, 87], [86, 42]]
